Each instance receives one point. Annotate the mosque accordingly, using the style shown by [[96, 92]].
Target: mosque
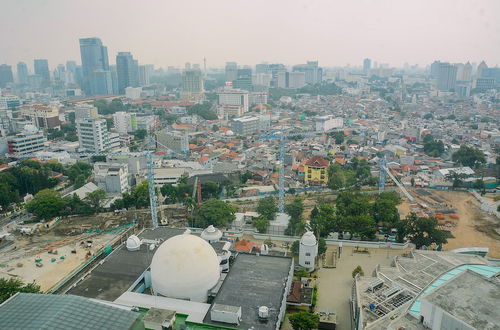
[[196, 280]]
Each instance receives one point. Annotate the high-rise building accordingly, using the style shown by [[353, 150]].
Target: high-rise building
[[480, 68], [367, 65], [447, 77], [192, 84], [42, 69], [29, 141], [22, 73], [172, 140], [314, 74], [5, 75], [231, 72], [493, 73], [467, 72], [127, 70], [435, 69], [95, 67], [243, 79], [145, 72], [92, 134], [83, 111]]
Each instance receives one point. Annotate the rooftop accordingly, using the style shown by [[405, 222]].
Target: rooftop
[[254, 281], [470, 297], [41, 311], [121, 268]]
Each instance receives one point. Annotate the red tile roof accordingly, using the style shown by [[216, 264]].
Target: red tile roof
[[317, 161]]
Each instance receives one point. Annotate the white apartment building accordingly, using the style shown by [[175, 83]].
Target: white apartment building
[[85, 111], [122, 122], [133, 93], [172, 140], [326, 123], [258, 98], [30, 140], [232, 101], [111, 177], [92, 134], [245, 125]]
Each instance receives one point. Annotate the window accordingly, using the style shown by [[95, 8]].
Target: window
[[308, 254], [307, 263]]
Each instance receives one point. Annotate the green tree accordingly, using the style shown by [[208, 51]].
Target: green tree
[[140, 195], [469, 156], [304, 321], [215, 212], [432, 147], [267, 207], [322, 219], [296, 225], [209, 189], [338, 137], [322, 246], [384, 210], [358, 270], [295, 247], [95, 199], [169, 192], [80, 181], [261, 224], [140, 134], [421, 231], [46, 205], [11, 286]]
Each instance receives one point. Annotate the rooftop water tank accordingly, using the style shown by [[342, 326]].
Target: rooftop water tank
[[263, 312]]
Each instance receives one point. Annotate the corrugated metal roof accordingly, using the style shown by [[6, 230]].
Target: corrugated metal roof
[[53, 312]]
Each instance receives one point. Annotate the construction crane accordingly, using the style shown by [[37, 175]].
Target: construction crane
[[381, 184], [281, 157]]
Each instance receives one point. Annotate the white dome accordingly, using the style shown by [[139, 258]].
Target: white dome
[[308, 239], [133, 243], [211, 234], [185, 267], [229, 132]]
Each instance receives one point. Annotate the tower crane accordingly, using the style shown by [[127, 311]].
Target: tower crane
[[281, 181]]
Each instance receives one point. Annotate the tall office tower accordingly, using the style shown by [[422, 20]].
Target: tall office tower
[[60, 72], [447, 77], [314, 74], [42, 69], [262, 68], [291, 80], [6, 76], [367, 65], [71, 66], [480, 68], [92, 134], [192, 84], [96, 77], [467, 72], [22, 73], [127, 70], [231, 71], [145, 72], [243, 79], [435, 69]]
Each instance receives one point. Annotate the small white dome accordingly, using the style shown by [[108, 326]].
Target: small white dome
[[211, 234], [308, 239], [185, 267], [229, 132], [133, 243]]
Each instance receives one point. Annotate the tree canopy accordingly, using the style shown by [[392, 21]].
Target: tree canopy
[[432, 147], [215, 212], [46, 205], [421, 231], [11, 286], [267, 207], [469, 156], [304, 321], [296, 225]]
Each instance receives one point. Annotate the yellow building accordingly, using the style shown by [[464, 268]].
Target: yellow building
[[316, 171]]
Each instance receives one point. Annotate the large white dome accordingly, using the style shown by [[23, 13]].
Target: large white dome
[[185, 267]]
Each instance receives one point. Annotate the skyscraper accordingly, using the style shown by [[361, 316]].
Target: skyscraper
[[95, 67], [314, 74], [435, 69], [367, 65], [42, 69], [467, 72], [480, 68], [5, 75], [22, 73], [192, 84], [127, 70], [447, 77], [243, 79], [231, 71]]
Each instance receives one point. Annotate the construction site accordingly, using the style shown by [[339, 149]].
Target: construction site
[[47, 253]]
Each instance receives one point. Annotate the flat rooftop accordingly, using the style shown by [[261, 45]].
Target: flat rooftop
[[254, 281], [470, 297], [121, 268]]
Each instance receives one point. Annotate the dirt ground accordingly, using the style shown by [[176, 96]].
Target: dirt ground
[[474, 228]]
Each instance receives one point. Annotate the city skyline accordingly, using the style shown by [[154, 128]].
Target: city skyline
[[336, 34]]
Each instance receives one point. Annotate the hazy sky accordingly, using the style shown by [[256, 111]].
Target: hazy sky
[[168, 32]]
